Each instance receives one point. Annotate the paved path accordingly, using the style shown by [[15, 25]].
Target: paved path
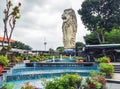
[[115, 63], [113, 86], [116, 77]]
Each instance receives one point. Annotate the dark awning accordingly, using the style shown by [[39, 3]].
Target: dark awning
[[104, 46]]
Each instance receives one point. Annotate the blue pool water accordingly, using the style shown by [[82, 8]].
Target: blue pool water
[[62, 60], [21, 74]]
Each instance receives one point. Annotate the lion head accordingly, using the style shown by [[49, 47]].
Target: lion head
[[69, 14], [69, 18]]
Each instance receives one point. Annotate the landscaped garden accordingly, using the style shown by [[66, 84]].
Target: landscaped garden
[[58, 75], [66, 67]]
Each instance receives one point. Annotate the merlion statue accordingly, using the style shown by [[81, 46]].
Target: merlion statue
[[69, 28]]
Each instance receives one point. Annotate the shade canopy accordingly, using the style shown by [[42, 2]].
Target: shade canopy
[[104, 46]]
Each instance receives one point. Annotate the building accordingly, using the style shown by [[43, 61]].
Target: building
[[95, 51], [6, 40]]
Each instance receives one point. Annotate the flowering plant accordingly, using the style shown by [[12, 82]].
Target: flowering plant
[[96, 81], [91, 84], [27, 85]]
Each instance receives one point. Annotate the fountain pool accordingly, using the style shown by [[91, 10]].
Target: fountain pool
[[22, 73], [61, 60]]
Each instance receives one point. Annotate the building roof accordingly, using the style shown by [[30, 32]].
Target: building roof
[[104, 46], [6, 40]]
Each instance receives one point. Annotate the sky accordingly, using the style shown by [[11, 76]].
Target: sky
[[41, 22]]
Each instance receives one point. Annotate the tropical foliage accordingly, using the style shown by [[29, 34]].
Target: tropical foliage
[[108, 69], [68, 81], [79, 58], [11, 14], [110, 37], [91, 39], [104, 59], [20, 45], [113, 36], [75, 81], [79, 46], [60, 49], [51, 51], [100, 15], [4, 61]]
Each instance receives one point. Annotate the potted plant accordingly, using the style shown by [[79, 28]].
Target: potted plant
[[92, 84], [103, 59], [98, 77], [3, 62], [79, 59], [108, 69], [95, 81]]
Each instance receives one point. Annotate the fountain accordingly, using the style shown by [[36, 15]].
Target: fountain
[[70, 57], [53, 59], [46, 70], [61, 57], [34, 65], [88, 57]]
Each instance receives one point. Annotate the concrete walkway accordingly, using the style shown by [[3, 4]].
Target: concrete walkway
[[113, 86], [116, 76], [114, 83], [115, 63]]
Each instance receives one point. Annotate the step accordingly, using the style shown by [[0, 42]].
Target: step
[[41, 75], [116, 71]]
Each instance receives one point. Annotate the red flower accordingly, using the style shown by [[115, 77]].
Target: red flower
[[91, 85], [101, 80]]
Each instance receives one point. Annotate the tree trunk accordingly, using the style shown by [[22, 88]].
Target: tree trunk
[[3, 39], [98, 36], [102, 36]]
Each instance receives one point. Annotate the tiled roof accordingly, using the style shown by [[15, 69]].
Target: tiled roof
[[6, 40]]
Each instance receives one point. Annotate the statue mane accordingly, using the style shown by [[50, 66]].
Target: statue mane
[[69, 28], [69, 17]]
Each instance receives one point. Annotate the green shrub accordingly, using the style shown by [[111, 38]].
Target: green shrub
[[108, 69], [19, 58], [68, 81], [98, 74], [65, 56], [8, 86], [4, 61], [33, 59], [103, 59]]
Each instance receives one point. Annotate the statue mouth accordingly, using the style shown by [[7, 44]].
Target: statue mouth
[[64, 18]]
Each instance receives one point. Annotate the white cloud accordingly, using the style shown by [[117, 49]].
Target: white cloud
[[41, 20]]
